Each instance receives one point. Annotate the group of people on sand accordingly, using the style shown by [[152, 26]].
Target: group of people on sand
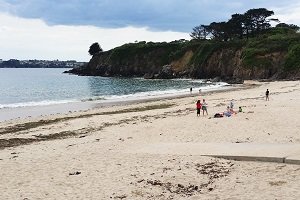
[[229, 112], [201, 106]]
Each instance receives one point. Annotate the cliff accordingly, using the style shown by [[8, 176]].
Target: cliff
[[271, 56]]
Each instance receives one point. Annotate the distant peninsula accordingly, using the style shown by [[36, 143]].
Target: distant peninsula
[[14, 63], [244, 47], [269, 57]]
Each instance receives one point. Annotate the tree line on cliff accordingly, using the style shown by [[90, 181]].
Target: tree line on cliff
[[246, 46], [252, 23]]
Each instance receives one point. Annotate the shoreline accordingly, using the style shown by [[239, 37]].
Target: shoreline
[[7, 114]]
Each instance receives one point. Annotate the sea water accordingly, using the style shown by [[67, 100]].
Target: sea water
[[21, 87]]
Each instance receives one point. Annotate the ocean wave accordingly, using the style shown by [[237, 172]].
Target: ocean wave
[[170, 92], [133, 96], [39, 103]]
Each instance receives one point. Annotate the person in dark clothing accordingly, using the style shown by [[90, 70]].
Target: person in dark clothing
[[198, 106], [240, 109], [267, 95]]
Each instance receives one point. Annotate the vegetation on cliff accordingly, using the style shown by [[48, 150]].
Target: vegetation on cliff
[[95, 48], [246, 46]]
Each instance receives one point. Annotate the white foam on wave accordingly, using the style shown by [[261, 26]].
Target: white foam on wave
[[197, 81], [39, 103], [171, 92], [134, 96]]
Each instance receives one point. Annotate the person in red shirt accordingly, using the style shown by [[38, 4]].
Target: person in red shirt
[[198, 106]]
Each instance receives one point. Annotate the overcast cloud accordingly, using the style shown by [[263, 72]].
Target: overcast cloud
[[175, 15], [67, 28]]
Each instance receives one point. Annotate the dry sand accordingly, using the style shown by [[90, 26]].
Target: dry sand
[[96, 154]]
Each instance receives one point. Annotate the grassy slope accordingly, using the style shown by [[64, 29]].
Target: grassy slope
[[279, 48]]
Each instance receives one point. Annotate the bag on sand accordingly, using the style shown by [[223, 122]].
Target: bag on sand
[[218, 115]]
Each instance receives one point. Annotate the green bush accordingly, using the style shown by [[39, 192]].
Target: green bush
[[293, 58], [203, 52], [254, 57], [256, 48]]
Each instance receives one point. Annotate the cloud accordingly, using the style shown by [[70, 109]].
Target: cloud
[[57, 29], [289, 14], [33, 39], [176, 15]]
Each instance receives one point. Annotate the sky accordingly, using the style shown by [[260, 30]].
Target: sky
[[65, 29]]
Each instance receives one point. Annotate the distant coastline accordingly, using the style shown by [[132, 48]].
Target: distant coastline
[[14, 63]]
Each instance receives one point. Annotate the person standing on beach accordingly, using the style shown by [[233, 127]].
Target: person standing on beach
[[198, 106], [231, 104], [191, 89], [267, 95], [204, 107]]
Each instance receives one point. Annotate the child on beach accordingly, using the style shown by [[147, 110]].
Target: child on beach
[[231, 104], [204, 107], [198, 106], [240, 109]]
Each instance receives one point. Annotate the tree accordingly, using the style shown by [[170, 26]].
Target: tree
[[236, 26], [95, 48], [219, 30], [200, 32], [252, 23], [255, 20], [289, 26]]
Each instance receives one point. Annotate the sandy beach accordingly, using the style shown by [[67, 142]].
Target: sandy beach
[[117, 152]]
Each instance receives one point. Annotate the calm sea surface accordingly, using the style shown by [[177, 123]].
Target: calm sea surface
[[33, 87]]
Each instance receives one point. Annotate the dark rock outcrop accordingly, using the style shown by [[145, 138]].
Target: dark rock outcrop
[[165, 73], [234, 80]]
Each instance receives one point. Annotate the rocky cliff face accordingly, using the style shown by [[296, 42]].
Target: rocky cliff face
[[221, 63], [229, 63], [273, 70], [188, 61], [126, 64]]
